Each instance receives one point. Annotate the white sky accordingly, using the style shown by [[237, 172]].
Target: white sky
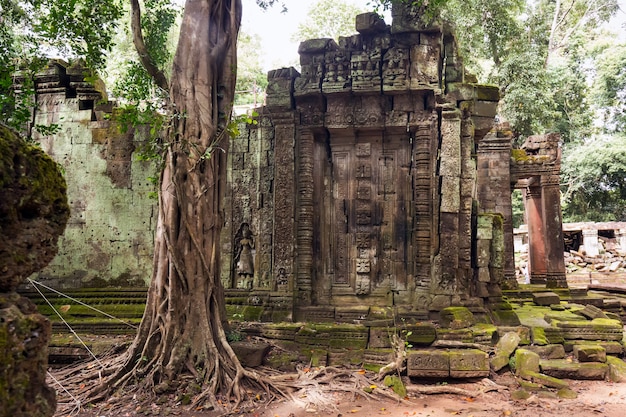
[[276, 29]]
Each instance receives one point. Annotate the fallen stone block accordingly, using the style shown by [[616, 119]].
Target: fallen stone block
[[561, 368], [546, 298], [592, 312], [526, 361], [548, 351], [617, 369], [468, 363], [250, 353], [596, 329], [522, 331], [504, 349], [428, 364], [546, 380], [590, 353]]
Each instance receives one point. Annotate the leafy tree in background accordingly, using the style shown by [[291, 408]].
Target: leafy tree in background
[[328, 19], [595, 180], [251, 79]]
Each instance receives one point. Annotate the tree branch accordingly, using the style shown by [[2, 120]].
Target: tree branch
[[140, 45]]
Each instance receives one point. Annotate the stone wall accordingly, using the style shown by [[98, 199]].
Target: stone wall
[[358, 185], [109, 237]]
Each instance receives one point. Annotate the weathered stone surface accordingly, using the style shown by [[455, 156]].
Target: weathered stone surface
[[546, 380], [560, 368], [33, 209], [504, 348], [589, 353], [468, 363], [456, 318], [420, 334], [556, 351], [428, 363], [617, 369], [24, 337], [250, 353], [546, 298], [526, 362], [592, 312], [596, 329]]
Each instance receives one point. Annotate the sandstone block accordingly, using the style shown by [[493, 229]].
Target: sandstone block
[[592, 312], [525, 362], [589, 353], [546, 380], [421, 334], [504, 348], [617, 369], [456, 318], [556, 351], [468, 363], [428, 364], [560, 368], [545, 298]]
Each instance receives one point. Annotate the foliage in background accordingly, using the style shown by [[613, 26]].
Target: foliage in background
[[328, 19], [595, 180], [251, 79]]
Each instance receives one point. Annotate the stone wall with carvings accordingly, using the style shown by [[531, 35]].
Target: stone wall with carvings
[[359, 182]]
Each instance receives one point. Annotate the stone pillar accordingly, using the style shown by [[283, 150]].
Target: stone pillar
[[447, 261], [553, 232], [590, 240], [280, 105], [304, 218], [537, 268], [494, 192]]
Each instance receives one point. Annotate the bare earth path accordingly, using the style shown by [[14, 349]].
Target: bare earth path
[[595, 398]]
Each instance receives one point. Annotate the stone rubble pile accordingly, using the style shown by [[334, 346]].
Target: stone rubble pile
[[611, 259]]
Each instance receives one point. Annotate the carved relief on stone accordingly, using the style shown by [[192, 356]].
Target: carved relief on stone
[[337, 75], [365, 70], [364, 170], [396, 69], [244, 257], [363, 149], [310, 80], [362, 266]]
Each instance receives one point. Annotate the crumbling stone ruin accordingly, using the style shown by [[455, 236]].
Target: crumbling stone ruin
[[371, 180], [33, 213], [109, 236]]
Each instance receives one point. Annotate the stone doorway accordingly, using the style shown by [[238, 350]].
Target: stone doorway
[[362, 217]]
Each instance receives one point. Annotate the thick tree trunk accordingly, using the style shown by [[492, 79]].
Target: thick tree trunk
[[182, 328]]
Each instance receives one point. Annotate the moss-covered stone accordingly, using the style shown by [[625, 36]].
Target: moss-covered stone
[[617, 369], [526, 362], [538, 336], [395, 383], [33, 209], [546, 380], [24, 337], [561, 368], [456, 318], [504, 348], [567, 394]]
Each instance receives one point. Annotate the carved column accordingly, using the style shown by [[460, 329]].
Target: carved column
[[553, 231], [536, 244], [304, 218]]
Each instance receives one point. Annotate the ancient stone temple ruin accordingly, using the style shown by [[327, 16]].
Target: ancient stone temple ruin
[[373, 178], [368, 180]]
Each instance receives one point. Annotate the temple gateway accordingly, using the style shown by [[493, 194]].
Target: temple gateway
[[375, 178]]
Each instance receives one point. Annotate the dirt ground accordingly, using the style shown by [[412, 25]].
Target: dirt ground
[[595, 398]]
